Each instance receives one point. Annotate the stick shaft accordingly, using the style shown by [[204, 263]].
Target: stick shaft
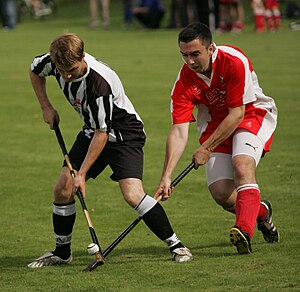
[[78, 193], [136, 221]]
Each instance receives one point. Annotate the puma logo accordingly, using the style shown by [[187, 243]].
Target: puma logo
[[254, 147]]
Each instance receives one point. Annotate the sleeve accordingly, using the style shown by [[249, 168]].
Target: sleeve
[[239, 83], [42, 66], [102, 112], [182, 105]]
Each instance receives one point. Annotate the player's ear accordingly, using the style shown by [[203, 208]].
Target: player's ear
[[211, 49]]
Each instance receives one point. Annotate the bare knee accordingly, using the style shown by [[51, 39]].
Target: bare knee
[[63, 193], [244, 169], [132, 190], [223, 192]]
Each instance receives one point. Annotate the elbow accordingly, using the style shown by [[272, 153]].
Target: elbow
[[237, 114], [240, 119], [241, 114], [178, 134]]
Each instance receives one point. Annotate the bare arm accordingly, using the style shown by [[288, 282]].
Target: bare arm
[[175, 145], [39, 87], [223, 131], [97, 144]]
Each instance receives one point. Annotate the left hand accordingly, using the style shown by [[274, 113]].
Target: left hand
[[164, 190], [79, 184], [201, 156]]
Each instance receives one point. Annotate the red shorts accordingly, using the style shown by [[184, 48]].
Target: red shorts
[[271, 4]]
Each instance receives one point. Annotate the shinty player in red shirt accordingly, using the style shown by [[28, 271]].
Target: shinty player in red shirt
[[236, 122]]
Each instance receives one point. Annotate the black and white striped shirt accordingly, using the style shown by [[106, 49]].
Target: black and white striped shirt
[[99, 98]]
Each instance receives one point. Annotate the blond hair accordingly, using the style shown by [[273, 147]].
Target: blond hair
[[66, 49]]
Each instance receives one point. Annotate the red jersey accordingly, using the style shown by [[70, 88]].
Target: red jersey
[[233, 83]]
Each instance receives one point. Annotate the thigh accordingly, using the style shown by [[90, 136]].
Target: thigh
[[246, 143], [219, 167]]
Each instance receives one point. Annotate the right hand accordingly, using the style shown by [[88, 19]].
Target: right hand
[[201, 156], [50, 115]]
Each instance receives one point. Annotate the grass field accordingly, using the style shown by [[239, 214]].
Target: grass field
[[147, 62]]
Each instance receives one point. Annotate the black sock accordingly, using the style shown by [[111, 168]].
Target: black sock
[[156, 219], [63, 251], [63, 221]]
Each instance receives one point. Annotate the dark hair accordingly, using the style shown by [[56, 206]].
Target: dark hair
[[196, 31]]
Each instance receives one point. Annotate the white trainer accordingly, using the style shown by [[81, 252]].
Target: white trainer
[[48, 259], [181, 255]]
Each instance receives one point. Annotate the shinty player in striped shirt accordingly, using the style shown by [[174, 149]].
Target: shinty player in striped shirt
[[113, 134]]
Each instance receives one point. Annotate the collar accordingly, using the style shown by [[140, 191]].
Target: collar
[[215, 53]]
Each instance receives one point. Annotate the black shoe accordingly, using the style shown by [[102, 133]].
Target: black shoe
[[267, 228], [241, 240]]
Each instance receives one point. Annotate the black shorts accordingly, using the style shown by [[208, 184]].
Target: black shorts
[[126, 159]]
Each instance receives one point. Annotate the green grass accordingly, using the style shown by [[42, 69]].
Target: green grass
[[147, 63]]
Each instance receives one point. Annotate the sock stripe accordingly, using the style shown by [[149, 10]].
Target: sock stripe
[[66, 210], [62, 239], [247, 187], [172, 241], [146, 204]]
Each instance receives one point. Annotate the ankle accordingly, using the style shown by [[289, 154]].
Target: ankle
[[63, 251], [178, 245]]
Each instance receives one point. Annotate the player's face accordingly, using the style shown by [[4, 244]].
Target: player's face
[[73, 72], [197, 56]]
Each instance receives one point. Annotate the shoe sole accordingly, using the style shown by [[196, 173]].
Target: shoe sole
[[238, 239]]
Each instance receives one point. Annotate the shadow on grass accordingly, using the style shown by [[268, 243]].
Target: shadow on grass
[[124, 255]]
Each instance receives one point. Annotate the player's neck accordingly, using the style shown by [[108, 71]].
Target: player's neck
[[207, 73]]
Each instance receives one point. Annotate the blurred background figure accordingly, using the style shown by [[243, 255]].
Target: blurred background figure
[[202, 11], [94, 8], [292, 10], [214, 14], [272, 14], [238, 16], [39, 8], [181, 13], [258, 10], [8, 14], [127, 16], [184, 12], [149, 13], [231, 16]]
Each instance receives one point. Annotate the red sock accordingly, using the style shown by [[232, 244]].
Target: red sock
[[259, 22], [247, 207], [270, 22], [277, 22], [262, 214]]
